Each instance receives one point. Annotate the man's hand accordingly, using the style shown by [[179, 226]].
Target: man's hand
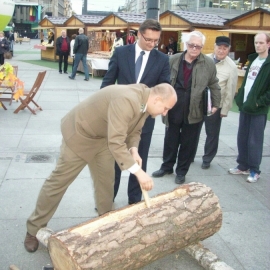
[[214, 109], [134, 153], [145, 180]]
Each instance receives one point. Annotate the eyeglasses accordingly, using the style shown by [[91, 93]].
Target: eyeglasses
[[149, 40], [193, 46]]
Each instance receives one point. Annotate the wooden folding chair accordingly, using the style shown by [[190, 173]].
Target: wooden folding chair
[[8, 90], [31, 94]]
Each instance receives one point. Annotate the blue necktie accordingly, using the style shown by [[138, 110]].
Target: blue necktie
[[138, 65]]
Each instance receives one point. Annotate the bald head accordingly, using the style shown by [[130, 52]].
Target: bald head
[[63, 33], [161, 99], [81, 31], [164, 90]]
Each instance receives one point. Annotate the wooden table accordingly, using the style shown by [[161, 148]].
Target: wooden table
[[6, 90]]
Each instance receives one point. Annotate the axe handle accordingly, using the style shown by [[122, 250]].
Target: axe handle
[[146, 197]]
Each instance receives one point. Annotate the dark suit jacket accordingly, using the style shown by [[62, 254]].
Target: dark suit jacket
[[59, 41], [112, 117], [122, 70]]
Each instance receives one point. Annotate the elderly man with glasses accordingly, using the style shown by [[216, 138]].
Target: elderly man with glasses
[[191, 73], [139, 63]]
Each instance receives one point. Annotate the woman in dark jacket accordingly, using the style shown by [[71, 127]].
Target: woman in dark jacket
[[4, 46]]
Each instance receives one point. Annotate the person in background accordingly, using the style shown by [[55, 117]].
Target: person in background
[[51, 38], [103, 128], [11, 42], [80, 50], [171, 48], [191, 73], [72, 42], [4, 46], [62, 50], [131, 38], [154, 70], [253, 101], [15, 36], [118, 41], [227, 76]]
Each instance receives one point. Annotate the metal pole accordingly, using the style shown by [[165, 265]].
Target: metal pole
[[153, 9]]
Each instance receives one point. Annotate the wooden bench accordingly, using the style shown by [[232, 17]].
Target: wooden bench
[[25, 39]]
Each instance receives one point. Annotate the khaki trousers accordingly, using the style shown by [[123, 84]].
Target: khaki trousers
[[67, 169]]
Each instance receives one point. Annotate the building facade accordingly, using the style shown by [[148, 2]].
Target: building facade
[[225, 8], [28, 13]]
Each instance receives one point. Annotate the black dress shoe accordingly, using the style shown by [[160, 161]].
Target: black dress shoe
[[160, 173], [131, 202], [71, 78], [180, 179], [30, 243], [60, 72], [65, 72], [205, 165], [86, 80]]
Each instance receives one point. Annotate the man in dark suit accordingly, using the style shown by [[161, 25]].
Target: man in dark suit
[[154, 70], [103, 128]]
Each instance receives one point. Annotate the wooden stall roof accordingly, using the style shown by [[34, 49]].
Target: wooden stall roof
[[182, 19], [131, 18], [123, 19], [46, 23], [84, 19], [53, 21], [257, 19]]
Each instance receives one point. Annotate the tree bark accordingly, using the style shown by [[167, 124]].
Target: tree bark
[[134, 236]]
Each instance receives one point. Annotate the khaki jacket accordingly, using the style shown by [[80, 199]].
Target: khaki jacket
[[227, 75], [114, 117]]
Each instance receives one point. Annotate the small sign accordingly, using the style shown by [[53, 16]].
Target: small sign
[[240, 46], [41, 47]]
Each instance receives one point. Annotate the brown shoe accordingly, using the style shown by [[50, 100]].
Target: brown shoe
[[30, 243]]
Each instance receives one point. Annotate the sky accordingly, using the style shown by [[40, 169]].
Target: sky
[[100, 5]]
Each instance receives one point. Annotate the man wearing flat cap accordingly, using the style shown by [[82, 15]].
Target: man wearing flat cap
[[227, 75]]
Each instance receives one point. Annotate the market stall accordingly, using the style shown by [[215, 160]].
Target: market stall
[[98, 63], [242, 30], [50, 28], [90, 23], [101, 33], [176, 23]]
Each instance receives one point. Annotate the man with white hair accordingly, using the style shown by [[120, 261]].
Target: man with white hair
[[191, 73], [80, 50]]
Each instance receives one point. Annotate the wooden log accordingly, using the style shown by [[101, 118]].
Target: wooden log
[[134, 236]]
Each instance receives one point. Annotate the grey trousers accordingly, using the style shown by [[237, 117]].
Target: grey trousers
[[68, 167]]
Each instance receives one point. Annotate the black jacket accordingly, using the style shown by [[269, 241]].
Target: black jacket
[[59, 41], [4, 48], [81, 44]]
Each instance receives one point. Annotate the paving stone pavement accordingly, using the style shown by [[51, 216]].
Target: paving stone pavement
[[30, 147]]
